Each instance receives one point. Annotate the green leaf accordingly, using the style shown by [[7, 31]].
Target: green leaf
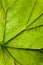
[[21, 32], [32, 37], [2, 22], [5, 58], [26, 56], [17, 16]]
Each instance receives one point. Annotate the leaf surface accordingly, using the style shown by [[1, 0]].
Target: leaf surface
[[21, 32]]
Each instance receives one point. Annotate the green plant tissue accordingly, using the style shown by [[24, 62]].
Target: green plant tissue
[[21, 32]]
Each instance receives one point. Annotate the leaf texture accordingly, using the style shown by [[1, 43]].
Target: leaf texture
[[21, 32]]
